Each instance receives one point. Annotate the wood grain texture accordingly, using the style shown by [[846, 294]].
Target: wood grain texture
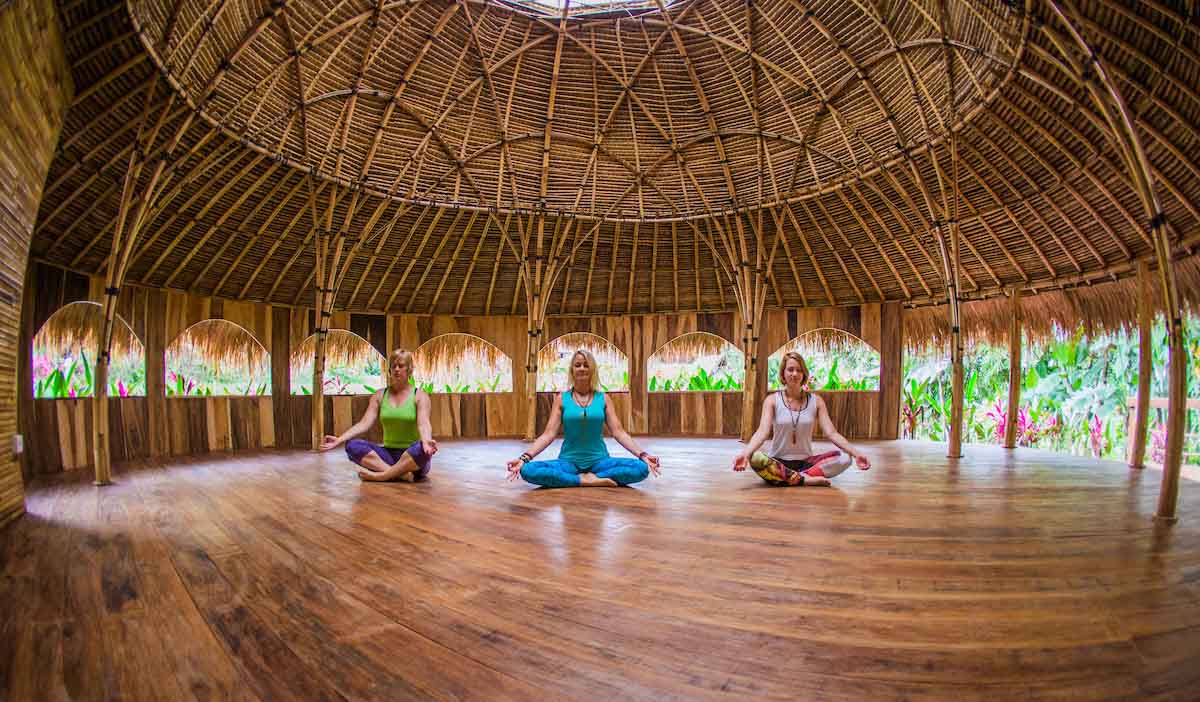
[[1003, 576]]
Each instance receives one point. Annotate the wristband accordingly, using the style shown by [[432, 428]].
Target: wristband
[[642, 455], [525, 458]]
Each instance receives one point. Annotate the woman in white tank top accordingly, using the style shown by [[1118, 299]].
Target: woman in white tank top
[[788, 416]]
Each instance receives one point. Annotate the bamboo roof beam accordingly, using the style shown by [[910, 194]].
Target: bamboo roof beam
[[241, 229], [432, 259], [879, 248], [833, 250], [1017, 192], [420, 249], [221, 219], [462, 291], [203, 212], [866, 204]]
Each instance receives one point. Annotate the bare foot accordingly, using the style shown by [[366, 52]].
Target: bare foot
[[816, 481], [590, 480]]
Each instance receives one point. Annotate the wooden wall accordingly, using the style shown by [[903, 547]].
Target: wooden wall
[[865, 415], [35, 91], [160, 426]]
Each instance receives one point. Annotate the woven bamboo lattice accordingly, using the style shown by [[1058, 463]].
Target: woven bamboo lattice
[[649, 139]]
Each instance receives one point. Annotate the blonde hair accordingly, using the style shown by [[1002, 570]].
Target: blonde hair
[[403, 356], [595, 384], [798, 359]]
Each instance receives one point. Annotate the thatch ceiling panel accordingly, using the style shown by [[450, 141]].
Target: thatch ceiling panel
[[1044, 197]]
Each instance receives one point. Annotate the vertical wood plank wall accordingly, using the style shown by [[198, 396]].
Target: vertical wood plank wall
[[35, 90], [158, 426]]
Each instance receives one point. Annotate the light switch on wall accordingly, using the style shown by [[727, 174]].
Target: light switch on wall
[[18, 444]]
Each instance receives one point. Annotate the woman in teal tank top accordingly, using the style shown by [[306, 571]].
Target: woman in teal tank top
[[582, 412], [407, 433]]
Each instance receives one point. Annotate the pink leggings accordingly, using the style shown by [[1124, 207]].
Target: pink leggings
[[777, 471]]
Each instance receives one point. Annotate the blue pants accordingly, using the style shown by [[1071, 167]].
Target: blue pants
[[561, 473]]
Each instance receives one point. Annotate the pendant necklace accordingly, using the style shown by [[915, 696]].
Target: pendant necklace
[[793, 417], [582, 406]]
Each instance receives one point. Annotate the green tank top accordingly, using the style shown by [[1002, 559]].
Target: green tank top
[[399, 421], [583, 431]]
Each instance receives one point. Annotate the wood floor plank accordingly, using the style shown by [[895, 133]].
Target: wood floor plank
[[279, 575]]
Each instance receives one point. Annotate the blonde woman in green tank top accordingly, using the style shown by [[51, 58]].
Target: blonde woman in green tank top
[[408, 442]]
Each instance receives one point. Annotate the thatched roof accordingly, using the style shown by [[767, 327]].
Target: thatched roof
[[598, 346], [686, 347], [342, 347], [1107, 307], [653, 131], [78, 326], [825, 340], [222, 343], [441, 354]]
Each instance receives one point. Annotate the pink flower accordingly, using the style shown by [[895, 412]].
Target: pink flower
[[1096, 435], [1158, 444], [71, 392], [190, 385], [121, 389], [999, 414]]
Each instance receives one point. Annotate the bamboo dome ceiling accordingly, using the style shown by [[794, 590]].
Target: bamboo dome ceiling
[[652, 132]]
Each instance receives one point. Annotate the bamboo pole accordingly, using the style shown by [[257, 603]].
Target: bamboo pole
[[1104, 92], [1137, 433], [1014, 371]]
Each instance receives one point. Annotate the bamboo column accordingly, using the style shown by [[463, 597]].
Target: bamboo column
[[1014, 371], [1141, 413], [329, 245], [1103, 91], [137, 201]]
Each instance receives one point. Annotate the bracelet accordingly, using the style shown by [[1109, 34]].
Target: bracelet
[[525, 458], [642, 455]]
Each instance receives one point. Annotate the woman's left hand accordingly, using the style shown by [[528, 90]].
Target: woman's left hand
[[652, 462], [429, 446], [863, 462]]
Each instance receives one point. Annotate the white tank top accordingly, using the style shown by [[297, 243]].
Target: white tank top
[[791, 434]]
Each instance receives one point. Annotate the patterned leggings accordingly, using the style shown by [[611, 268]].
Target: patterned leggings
[[561, 473], [784, 472]]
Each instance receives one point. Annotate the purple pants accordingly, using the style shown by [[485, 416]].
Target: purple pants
[[357, 449]]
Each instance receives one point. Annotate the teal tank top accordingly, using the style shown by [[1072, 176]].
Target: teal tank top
[[399, 421], [583, 431]]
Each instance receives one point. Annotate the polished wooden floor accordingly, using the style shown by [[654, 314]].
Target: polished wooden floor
[[280, 576]]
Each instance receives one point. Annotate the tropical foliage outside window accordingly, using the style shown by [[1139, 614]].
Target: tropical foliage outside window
[[836, 360], [696, 362], [453, 363], [554, 360], [64, 355], [217, 357], [1074, 393], [352, 365]]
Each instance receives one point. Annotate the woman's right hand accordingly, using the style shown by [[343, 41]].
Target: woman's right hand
[[514, 468], [331, 442], [741, 462]]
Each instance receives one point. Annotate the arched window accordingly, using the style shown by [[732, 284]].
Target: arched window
[[696, 362], [65, 349], [554, 360], [217, 357], [461, 363], [836, 360], [352, 365]]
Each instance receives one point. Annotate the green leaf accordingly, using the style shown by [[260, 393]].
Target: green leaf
[[87, 369]]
